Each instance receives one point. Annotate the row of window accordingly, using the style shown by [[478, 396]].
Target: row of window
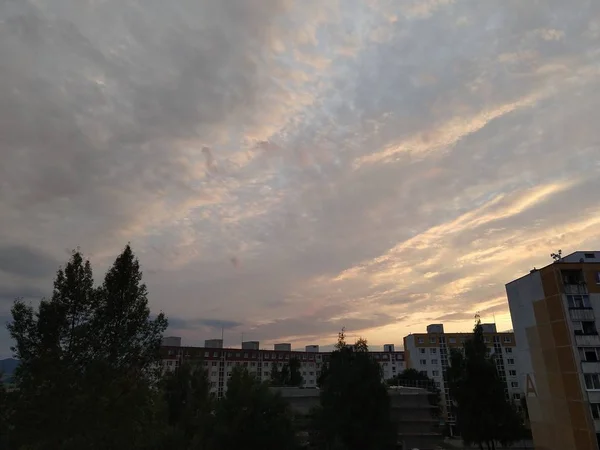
[[423, 362], [434, 351], [462, 340]]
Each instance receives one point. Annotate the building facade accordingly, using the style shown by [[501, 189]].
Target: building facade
[[429, 353], [555, 312], [219, 362]]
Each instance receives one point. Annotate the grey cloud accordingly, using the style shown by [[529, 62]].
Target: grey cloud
[[27, 262], [192, 324]]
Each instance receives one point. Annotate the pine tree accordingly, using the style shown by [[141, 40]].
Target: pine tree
[[129, 338], [53, 345]]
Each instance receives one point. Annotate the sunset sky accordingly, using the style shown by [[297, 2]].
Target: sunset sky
[[286, 168]]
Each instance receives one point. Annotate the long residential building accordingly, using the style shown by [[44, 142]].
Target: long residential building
[[429, 353], [555, 312], [219, 362]]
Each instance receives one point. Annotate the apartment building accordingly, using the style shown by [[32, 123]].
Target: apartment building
[[555, 313], [219, 362], [429, 353]]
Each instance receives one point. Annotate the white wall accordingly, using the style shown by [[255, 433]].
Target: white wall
[[521, 295]]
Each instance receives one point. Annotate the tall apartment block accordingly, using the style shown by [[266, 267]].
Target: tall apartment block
[[429, 353], [219, 362], [555, 312]]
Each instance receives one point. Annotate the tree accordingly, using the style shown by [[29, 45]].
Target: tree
[[484, 415], [130, 339], [189, 408], [5, 415], [296, 378], [354, 411], [252, 416], [288, 376], [78, 388], [414, 378], [275, 375]]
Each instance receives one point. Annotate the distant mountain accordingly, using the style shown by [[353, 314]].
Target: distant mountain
[[8, 366]]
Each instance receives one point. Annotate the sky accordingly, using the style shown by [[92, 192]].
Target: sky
[[284, 169]]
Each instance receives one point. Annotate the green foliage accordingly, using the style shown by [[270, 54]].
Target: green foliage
[[354, 412], [251, 416], [189, 408], [288, 376], [484, 415], [87, 357]]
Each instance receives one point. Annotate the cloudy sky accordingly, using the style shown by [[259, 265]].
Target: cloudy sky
[[285, 168]]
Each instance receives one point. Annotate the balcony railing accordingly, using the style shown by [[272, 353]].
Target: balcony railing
[[580, 288], [582, 314], [584, 340], [590, 366]]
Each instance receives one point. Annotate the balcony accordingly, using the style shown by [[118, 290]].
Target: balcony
[[579, 288], [589, 340], [590, 366], [580, 314]]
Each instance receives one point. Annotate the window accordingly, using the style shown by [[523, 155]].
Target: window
[[421, 340], [245, 355], [597, 277], [252, 364], [214, 364], [433, 351], [592, 381], [510, 361], [486, 340], [595, 410], [579, 301], [206, 354], [512, 373], [590, 255], [516, 396], [508, 349], [514, 384], [589, 354], [423, 372], [435, 373], [422, 351], [216, 354], [432, 340], [434, 361], [462, 340], [452, 340], [423, 362], [585, 328], [507, 339]]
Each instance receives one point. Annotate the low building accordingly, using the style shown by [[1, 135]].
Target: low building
[[411, 412], [219, 362]]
